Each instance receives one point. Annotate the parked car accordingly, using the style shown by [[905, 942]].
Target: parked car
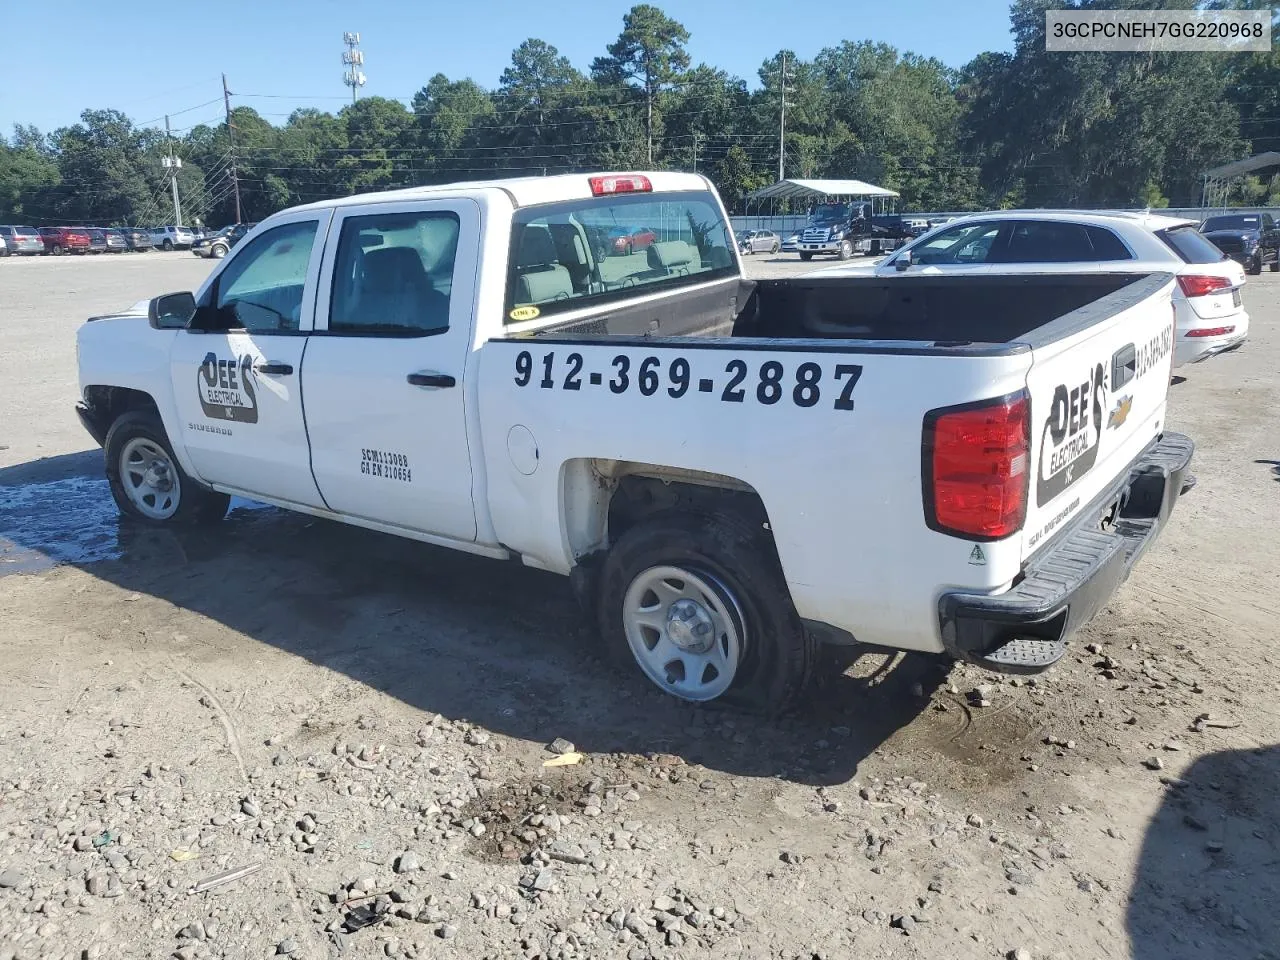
[[1251, 239], [116, 243], [217, 245], [919, 479], [626, 240], [97, 240], [60, 240], [1211, 318], [759, 241], [172, 238], [24, 241], [4, 247], [137, 238], [792, 243]]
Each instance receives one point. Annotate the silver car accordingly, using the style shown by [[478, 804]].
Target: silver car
[[759, 241], [21, 240]]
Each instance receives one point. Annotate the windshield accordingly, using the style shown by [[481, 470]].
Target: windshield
[[830, 213], [1237, 222]]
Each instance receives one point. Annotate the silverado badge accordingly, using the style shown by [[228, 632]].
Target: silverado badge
[[1120, 412]]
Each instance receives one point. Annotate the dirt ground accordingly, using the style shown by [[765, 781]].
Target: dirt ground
[[366, 722]]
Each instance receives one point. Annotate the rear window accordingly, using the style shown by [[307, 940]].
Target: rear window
[[569, 255], [1237, 222], [1188, 244]]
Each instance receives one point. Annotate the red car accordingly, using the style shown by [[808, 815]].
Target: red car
[[625, 240], [60, 240]]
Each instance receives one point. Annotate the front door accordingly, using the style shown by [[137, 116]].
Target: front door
[[384, 370], [237, 382]]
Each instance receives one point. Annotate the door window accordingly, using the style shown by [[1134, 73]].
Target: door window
[[393, 274], [969, 243], [261, 288], [1049, 241]]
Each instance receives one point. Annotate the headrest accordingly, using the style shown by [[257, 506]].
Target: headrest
[[536, 247]]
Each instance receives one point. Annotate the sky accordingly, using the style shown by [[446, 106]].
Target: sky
[[150, 58]]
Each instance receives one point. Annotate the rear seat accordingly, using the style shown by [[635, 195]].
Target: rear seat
[[672, 257], [620, 271]]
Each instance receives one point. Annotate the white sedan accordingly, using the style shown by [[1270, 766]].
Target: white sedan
[[1210, 316]]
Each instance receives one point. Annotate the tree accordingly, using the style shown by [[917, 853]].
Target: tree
[[649, 50]]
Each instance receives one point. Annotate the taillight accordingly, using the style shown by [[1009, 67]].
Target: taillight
[[1211, 331], [975, 467], [1199, 285], [630, 183]]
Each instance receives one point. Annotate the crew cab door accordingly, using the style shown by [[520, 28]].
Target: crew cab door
[[384, 369], [236, 381]]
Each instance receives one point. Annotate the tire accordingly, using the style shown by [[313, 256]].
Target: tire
[[131, 440], [167, 245], [845, 251], [217, 251], [761, 658], [1255, 266], [806, 256], [775, 248], [1275, 265], [56, 250]]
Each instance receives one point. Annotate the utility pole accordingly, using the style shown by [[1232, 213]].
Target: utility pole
[[354, 59], [783, 77], [173, 165], [695, 151], [231, 135]]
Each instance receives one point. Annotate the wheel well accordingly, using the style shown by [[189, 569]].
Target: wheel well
[[107, 404], [638, 497]]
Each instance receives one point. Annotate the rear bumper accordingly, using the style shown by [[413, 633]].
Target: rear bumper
[[1025, 629], [1195, 349]]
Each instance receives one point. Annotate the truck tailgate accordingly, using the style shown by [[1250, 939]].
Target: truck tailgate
[[1097, 401]]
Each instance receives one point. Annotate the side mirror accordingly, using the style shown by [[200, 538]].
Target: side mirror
[[903, 261], [173, 311]]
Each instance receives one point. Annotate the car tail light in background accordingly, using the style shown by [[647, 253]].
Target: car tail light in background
[[975, 467], [632, 183], [1195, 285], [1211, 331]]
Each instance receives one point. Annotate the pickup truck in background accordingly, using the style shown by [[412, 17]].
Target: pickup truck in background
[[731, 474]]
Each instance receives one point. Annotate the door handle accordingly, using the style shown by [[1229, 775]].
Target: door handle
[[432, 380], [273, 369]]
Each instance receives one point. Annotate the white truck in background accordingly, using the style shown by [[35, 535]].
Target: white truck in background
[[731, 474]]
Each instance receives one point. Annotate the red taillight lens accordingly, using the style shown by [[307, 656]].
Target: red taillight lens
[[631, 183], [1200, 286], [1211, 331], [976, 468]]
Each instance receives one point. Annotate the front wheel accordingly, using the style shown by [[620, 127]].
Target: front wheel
[[1275, 265], [1255, 266], [148, 483], [167, 245], [806, 256], [217, 251], [698, 602], [57, 250], [845, 251]]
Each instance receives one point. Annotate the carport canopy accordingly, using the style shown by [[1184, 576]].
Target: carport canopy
[[819, 189], [1240, 167]]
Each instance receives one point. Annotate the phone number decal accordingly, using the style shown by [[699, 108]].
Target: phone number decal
[[768, 383]]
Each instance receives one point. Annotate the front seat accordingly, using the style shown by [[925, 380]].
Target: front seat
[[540, 276], [395, 290]]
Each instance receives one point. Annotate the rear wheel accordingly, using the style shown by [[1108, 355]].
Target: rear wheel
[[698, 602], [775, 248], [56, 250], [1275, 265], [217, 251], [167, 245], [148, 483]]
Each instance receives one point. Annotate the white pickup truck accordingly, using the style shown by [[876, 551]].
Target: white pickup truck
[[733, 475]]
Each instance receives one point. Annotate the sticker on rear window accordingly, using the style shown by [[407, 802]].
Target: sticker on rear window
[[524, 313]]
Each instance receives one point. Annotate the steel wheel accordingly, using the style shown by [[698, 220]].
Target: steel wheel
[[685, 630], [150, 478]]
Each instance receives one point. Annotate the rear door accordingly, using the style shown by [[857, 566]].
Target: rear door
[[1097, 400], [383, 373]]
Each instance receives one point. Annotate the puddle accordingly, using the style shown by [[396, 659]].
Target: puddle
[[74, 520]]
